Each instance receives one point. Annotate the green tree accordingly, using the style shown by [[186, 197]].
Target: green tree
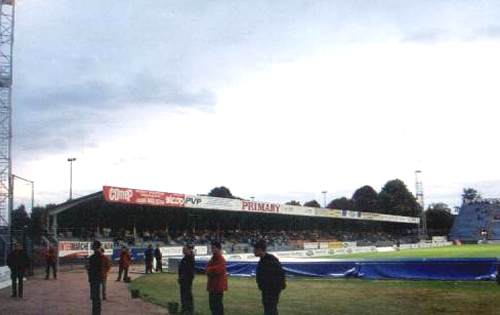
[[365, 199], [312, 203], [293, 203], [38, 220], [469, 194], [20, 218], [396, 199], [342, 203], [221, 192], [439, 218]]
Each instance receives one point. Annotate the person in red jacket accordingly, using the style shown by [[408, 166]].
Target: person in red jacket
[[123, 264], [217, 279], [50, 260]]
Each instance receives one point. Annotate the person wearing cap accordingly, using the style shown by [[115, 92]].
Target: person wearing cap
[[186, 276], [106, 266], [50, 262], [18, 263], [270, 278], [158, 256], [94, 272], [123, 264], [217, 279]]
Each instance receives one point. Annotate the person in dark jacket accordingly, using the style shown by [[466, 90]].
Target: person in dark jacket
[[18, 263], [157, 253], [148, 259], [217, 279], [95, 268], [186, 276], [270, 278], [50, 262]]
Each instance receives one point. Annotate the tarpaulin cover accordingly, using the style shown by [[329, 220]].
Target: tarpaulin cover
[[409, 269]]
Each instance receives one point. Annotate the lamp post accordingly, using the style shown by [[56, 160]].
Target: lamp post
[[71, 160], [324, 198]]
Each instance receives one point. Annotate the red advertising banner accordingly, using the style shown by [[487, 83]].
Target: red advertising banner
[[142, 197]]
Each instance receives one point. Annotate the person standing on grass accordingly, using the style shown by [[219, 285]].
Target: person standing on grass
[[106, 266], [148, 259], [270, 278], [18, 263], [94, 271], [157, 254], [217, 279], [123, 264], [186, 276], [50, 261]]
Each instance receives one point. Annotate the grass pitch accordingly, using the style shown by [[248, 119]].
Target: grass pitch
[[308, 296], [463, 251], [328, 296]]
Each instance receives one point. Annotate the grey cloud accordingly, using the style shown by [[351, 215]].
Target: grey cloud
[[440, 35], [63, 117], [77, 62], [492, 31], [426, 37], [103, 95]]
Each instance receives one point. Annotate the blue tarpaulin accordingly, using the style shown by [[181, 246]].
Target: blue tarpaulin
[[407, 269]]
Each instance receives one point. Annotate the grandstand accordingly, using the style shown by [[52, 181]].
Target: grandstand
[[137, 217], [478, 220]]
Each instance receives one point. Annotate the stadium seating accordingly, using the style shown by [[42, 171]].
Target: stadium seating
[[475, 217]]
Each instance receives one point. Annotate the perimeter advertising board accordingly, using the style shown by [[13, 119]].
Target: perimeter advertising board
[[80, 250]]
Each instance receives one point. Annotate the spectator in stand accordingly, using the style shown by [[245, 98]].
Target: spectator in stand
[[217, 279], [148, 259], [18, 263], [270, 278], [106, 266], [95, 277], [186, 276], [123, 264], [50, 261], [158, 256]]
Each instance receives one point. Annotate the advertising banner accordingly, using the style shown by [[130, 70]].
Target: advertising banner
[[201, 250], [80, 250], [166, 199], [311, 245], [171, 251], [297, 210], [334, 245], [439, 239], [142, 197], [256, 206], [329, 213], [351, 214], [212, 203]]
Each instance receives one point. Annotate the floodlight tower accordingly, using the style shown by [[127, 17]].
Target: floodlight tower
[[419, 192], [7, 16]]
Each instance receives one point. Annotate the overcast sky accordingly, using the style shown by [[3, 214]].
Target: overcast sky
[[278, 100]]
